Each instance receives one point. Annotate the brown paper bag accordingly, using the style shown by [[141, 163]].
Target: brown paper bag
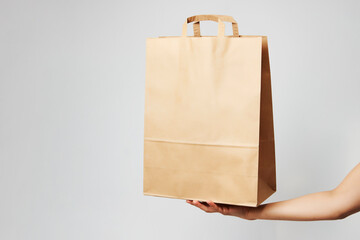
[[208, 117]]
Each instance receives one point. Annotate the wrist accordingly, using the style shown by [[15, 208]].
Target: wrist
[[255, 212]]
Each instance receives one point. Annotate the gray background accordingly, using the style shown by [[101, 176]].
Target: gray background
[[72, 78]]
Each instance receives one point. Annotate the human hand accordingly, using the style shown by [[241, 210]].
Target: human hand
[[225, 209]]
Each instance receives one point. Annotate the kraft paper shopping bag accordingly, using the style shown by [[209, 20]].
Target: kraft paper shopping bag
[[208, 131]]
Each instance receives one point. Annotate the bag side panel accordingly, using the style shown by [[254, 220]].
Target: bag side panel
[[267, 166]]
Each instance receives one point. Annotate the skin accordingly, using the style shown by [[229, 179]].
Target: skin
[[334, 204]]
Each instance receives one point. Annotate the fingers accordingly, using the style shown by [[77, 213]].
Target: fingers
[[196, 203], [216, 207], [212, 204], [208, 206], [201, 206]]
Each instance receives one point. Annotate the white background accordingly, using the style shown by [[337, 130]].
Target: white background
[[72, 76]]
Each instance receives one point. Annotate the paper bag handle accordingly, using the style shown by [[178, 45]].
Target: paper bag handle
[[216, 18]]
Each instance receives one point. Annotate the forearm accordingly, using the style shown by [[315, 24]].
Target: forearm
[[316, 206], [338, 203]]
